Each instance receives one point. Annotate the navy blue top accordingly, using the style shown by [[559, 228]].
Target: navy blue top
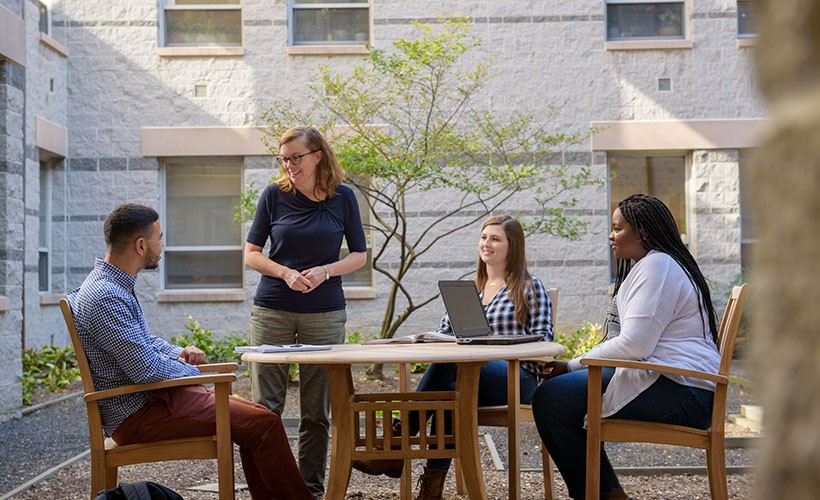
[[303, 234]]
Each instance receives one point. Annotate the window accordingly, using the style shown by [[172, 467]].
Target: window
[[45, 18], [198, 23], [364, 275], [745, 19], [44, 241], [322, 22], [203, 244], [748, 234], [642, 19], [660, 176]]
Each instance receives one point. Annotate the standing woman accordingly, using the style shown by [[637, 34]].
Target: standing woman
[[666, 317], [306, 213], [515, 303]]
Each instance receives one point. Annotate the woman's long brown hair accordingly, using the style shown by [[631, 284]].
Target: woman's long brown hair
[[517, 278]]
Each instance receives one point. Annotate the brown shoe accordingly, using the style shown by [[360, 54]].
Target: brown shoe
[[616, 494], [432, 484], [390, 468]]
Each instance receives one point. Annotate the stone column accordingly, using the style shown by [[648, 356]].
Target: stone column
[[785, 182], [12, 85]]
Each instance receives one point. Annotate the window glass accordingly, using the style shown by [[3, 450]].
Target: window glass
[[364, 275], [660, 176], [203, 244], [626, 21], [45, 18], [44, 239], [748, 234], [745, 19], [337, 23], [203, 22]]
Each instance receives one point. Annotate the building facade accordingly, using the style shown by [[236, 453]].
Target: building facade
[[157, 102]]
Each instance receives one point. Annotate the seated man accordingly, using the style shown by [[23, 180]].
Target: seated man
[[122, 351]]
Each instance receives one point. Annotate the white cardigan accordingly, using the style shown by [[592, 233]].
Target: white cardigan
[[660, 323]]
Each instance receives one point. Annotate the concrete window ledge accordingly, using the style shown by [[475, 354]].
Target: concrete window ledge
[[649, 45], [200, 51], [204, 295], [746, 42], [54, 44], [50, 299], [4, 303], [359, 292], [327, 50]]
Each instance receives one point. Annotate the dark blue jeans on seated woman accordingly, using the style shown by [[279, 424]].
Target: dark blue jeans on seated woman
[[492, 391], [560, 405]]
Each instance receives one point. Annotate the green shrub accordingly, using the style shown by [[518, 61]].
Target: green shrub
[[579, 341], [217, 351], [354, 338], [50, 369]]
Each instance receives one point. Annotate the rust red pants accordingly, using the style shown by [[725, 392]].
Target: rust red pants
[[189, 411]]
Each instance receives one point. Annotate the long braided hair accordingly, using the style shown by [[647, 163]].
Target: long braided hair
[[654, 224]]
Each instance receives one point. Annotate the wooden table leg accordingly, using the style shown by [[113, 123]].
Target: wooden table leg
[[467, 387], [406, 481], [341, 388], [513, 426]]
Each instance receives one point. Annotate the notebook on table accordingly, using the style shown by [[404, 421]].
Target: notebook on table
[[467, 316]]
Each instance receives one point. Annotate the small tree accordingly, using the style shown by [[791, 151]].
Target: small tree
[[403, 124]]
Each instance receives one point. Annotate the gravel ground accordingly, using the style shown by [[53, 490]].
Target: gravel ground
[[25, 454]]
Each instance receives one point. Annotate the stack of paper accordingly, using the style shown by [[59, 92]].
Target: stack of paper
[[281, 348]]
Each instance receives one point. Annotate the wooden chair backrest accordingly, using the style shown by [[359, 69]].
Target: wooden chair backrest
[[727, 333], [552, 293], [82, 360], [729, 326]]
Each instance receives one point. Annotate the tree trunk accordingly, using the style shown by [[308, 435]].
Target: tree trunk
[[785, 178]]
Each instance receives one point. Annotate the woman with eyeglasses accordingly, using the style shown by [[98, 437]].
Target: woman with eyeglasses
[[305, 214]]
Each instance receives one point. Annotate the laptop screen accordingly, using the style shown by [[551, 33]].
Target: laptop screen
[[464, 308]]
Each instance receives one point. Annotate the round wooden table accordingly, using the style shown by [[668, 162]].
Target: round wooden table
[[469, 358]]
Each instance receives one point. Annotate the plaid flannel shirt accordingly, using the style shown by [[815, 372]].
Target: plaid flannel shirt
[[118, 343]]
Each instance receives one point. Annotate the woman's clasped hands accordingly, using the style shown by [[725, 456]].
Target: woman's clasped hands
[[305, 281]]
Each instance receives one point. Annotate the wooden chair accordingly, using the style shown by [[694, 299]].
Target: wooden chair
[[106, 456], [711, 440], [504, 416]]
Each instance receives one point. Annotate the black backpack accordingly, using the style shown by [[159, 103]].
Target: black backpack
[[143, 490]]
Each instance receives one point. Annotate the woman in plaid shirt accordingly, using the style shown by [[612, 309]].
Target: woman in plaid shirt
[[515, 303]]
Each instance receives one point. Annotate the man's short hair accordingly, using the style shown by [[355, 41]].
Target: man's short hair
[[126, 223]]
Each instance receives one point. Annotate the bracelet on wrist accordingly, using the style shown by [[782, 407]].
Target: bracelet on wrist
[[327, 273]]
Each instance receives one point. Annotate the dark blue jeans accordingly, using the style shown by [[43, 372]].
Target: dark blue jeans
[[492, 391], [560, 405]]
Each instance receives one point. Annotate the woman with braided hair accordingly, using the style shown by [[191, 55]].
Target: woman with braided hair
[[666, 316]]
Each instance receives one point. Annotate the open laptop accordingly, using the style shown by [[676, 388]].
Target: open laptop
[[467, 316]]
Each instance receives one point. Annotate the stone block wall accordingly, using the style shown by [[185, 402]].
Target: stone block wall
[[544, 53]]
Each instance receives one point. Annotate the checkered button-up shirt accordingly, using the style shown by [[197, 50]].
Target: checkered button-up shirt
[[118, 343], [500, 314]]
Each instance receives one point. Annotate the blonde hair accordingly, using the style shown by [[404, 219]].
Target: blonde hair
[[517, 278], [329, 174]]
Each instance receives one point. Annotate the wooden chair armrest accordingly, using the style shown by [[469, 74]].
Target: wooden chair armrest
[[218, 367], [163, 384], [641, 365]]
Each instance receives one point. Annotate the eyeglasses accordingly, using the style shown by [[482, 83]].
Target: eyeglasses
[[294, 160]]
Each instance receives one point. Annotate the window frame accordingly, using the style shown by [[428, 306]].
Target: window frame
[[747, 35], [684, 35], [47, 202], [361, 286], [295, 5], [45, 8], [167, 163], [167, 5]]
